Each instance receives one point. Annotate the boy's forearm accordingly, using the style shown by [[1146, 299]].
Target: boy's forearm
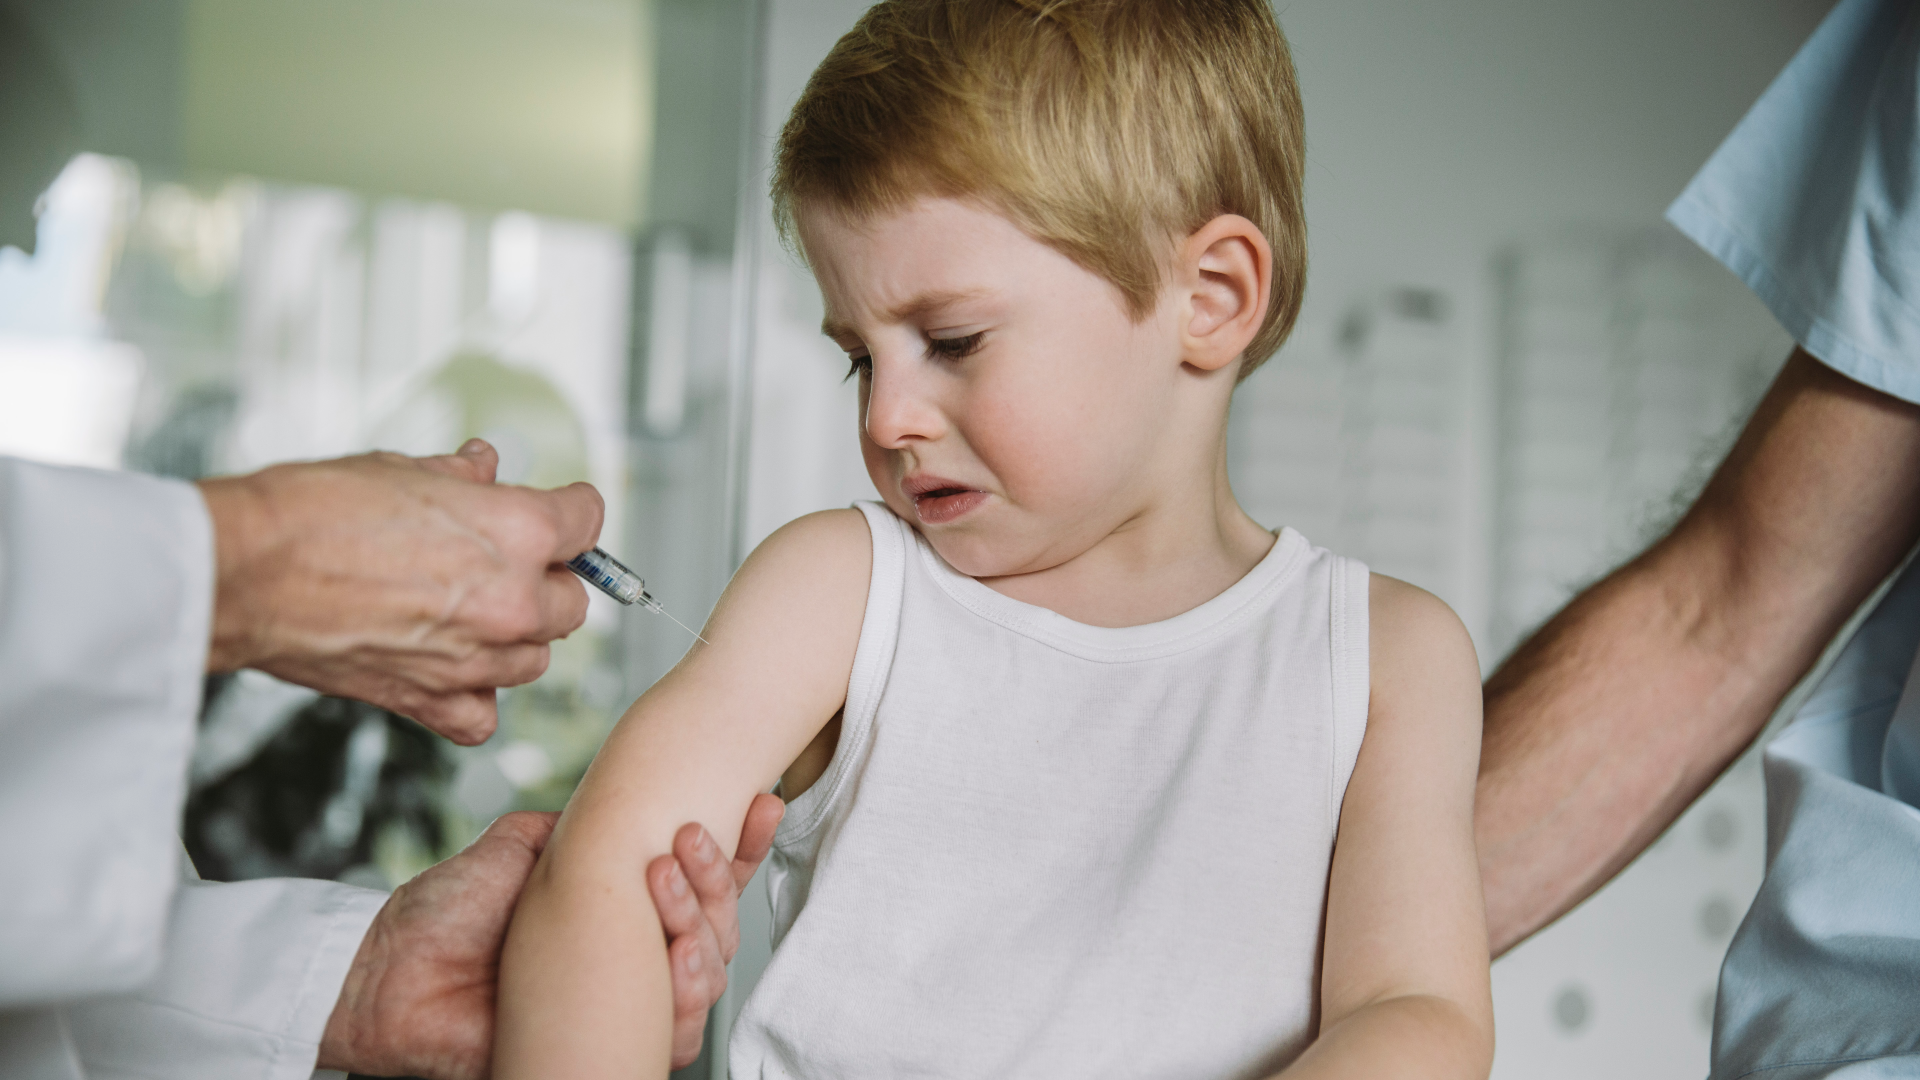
[[1416, 1036], [584, 985]]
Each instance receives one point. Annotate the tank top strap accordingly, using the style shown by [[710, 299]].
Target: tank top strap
[[872, 660], [1349, 629]]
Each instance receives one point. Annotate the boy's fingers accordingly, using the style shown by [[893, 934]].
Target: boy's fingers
[[756, 837], [712, 879]]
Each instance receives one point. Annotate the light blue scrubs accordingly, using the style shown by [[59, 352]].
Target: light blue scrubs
[[1814, 200]]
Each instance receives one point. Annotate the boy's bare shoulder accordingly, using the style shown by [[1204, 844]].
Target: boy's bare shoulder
[[1400, 609], [810, 575], [822, 532], [834, 547], [1420, 650]]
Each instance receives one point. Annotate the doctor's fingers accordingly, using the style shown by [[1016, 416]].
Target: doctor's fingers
[[476, 460], [563, 604], [698, 971], [452, 697], [513, 843], [484, 667], [698, 983], [711, 876], [466, 717], [577, 512], [532, 527], [756, 837], [683, 916], [508, 609]]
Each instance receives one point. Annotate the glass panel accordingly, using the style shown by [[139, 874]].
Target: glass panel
[[306, 230]]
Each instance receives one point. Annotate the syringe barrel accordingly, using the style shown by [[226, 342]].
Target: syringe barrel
[[609, 575]]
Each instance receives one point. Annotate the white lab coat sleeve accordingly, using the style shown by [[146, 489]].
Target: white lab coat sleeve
[[252, 972], [106, 586]]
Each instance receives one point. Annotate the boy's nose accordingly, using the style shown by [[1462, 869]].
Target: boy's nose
[[900, 408]]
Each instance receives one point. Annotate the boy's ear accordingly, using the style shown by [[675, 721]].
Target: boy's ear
[[1226, 270]]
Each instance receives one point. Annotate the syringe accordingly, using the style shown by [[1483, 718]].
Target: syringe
[[610, 576]]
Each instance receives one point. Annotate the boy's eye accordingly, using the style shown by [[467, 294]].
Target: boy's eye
[[955, 348], [857, 364]]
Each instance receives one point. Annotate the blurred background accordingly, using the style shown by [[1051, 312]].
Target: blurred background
[[283, 229]]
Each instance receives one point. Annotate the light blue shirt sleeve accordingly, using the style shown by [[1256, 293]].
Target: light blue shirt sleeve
[[1814, 200]]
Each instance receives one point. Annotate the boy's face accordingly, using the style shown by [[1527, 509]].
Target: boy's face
[[1010, 407]]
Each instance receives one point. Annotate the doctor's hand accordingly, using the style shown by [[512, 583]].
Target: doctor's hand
[[418, 1000], [416, 584]]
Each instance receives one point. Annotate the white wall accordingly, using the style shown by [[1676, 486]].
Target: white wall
[[1439, 134]]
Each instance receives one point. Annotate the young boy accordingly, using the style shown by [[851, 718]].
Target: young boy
[[1088, 773]]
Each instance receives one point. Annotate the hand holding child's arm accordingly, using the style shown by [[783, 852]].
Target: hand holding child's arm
[[1404, 985], [584, 988]]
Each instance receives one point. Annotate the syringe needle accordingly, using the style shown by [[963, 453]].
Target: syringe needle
[[655, 605], [604, 572]]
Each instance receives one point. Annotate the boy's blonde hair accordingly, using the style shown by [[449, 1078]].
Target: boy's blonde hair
[[1103, 128]]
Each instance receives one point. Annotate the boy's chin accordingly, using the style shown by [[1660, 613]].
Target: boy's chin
[[972, 555], [985, 552]]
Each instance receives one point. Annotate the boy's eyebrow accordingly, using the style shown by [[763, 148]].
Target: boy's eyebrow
[[901, 312]]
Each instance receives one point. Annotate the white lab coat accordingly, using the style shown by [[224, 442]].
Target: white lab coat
[[110, 966]]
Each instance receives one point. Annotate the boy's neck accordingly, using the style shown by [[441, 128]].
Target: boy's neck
[[1187, 545]]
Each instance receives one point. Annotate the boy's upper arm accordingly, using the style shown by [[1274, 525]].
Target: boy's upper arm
[[1404, 910], [732, 714]]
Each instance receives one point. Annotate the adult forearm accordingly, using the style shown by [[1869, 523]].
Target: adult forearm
[[1599, 732], [1604, 726]]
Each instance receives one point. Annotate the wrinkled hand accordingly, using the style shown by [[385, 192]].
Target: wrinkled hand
[[416, 584], [418, 1000]]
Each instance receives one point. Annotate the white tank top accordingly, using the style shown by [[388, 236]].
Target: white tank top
[[1048, 849]]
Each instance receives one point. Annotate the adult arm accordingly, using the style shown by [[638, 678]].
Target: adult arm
[[1404, 984], [1623, 708], [272, 979], [416, 584], [420, 585], [106, 589]]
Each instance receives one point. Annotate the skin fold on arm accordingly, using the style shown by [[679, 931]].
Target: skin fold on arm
[[1625, 706], [584, 988], [1404, 986]]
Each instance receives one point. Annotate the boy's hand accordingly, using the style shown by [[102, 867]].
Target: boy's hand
[[418, 1000]]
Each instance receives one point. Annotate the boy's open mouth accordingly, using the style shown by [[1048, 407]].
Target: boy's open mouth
[[936, 500]]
